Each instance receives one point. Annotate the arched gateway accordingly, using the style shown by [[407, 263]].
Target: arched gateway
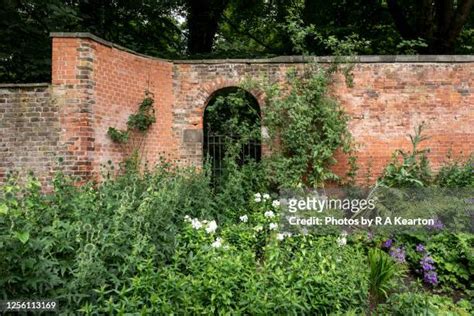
[[231, 126]]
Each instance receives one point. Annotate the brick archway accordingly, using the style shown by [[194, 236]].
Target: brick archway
[[189, 114], [218, 129], [208, 91]]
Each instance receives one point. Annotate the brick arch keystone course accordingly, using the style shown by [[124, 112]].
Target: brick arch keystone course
[[96, 84]]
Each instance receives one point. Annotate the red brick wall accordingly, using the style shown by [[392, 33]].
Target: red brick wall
[[103, 85], [388, 100], [386, 103], [97, 85], [29, 131], [121, 79], [73, 91]]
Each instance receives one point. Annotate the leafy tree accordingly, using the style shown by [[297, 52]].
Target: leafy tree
[[25, 48], [147, 26], [203, 21], [438, 22], [230, 28]]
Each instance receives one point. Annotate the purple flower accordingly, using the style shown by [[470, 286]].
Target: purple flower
[[398, 254], [427, 267], [388, 243], [427, 263], [438, 225], [431, 277], [420, 248], [429, 274]]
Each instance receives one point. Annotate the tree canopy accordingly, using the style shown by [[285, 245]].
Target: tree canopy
[[232, 28]]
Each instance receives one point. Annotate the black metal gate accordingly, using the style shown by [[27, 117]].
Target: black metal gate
[[215, 149]]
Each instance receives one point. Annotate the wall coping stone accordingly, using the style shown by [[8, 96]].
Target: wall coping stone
[[24, 85], [331, 59], [101, 41], [286, 59]]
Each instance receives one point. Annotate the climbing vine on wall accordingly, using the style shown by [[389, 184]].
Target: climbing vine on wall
[[308, 109], [138, 123]]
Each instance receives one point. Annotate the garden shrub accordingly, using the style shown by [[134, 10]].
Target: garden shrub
[[457, 174], [67, 243], [454, 257], [412, 169], [147, 242], [423, 304], [443, 260], [409, 169], [306, 109], [221, 271]]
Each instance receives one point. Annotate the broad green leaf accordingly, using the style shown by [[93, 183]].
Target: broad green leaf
[[22, 236]]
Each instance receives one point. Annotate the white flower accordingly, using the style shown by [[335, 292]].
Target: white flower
[[273, 226], [211, 227], [257, 199], [217, 243], [276, 203], [244, 218], [341, 241], [269, 214], [195, 223], [187, 218], [266, 196], [257, 195], [281, 236], [344, 233], [258, 228]]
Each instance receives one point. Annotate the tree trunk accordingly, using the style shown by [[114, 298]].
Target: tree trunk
[[439, 23], [203, 23]]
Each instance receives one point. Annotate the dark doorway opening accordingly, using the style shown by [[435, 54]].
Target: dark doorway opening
[[231, 130]]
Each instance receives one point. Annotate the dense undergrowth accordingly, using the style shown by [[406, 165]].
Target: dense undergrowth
[[166, 241]]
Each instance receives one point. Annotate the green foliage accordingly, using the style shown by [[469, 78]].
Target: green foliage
[[132, 245], [144, 117], [411, 47], [412, 169], [133, 138], [238, 28], [67, 243], [139, 121], [409, 169], [304, 110], [457, 174], [298, 275], [25, 50], [454, 257], [382, 272], [118, 136], [423, 304], [233, 112], [236, 185]]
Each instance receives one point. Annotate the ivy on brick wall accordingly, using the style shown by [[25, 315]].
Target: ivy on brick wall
[[144, 117], [138, 124]]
